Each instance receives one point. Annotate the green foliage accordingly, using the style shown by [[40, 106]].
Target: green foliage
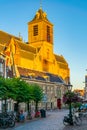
[[37, 92], [20, 91], [6, 88], [76, 105]]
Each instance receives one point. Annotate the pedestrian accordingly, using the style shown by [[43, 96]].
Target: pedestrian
[[22, 117]]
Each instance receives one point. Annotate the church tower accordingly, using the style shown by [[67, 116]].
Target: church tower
[[38, 54], [40, 30]]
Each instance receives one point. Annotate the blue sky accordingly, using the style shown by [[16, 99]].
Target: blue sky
[[69, 18]]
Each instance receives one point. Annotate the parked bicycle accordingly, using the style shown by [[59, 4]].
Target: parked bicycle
[[83, 114], [75, 120], [7, 120]]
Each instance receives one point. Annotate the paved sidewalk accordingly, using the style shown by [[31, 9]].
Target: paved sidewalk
[[53, 121], [81, 127], [26, 121], [31, 120], [18, 124], [61, 127]]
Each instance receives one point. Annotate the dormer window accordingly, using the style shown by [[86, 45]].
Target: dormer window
[[35, 30]]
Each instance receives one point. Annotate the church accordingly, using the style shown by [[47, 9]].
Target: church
[[35, 60]]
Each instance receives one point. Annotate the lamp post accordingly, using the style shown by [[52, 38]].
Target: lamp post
[[85, 87], [69, 86], [70, 104]]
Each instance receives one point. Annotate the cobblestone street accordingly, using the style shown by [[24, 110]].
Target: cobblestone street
[[53, 121]]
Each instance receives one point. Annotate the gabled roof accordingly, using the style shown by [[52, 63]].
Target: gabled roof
[[26, 47], [5, 37], [60, 58], [26, 50], [2, 47]]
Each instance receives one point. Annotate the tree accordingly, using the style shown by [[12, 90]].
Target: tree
[[29, 98], [37, 94], [21, 91], [6, 90]]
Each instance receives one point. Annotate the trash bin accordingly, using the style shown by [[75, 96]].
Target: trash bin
[[43, 113]]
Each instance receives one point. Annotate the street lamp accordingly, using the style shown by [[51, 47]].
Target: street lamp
[[70, 104], [85, 86], [69, 87]]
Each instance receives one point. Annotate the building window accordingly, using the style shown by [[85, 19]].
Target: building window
[[35, 30], [48, 33], [1, 69]]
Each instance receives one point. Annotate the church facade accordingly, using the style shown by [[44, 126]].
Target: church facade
[[35, 60]]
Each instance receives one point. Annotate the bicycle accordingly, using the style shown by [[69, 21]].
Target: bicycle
[[68, 120], [77, 119], [74, 119], [6, 120]]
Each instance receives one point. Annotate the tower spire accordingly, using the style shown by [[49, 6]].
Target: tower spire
[[40, 4]]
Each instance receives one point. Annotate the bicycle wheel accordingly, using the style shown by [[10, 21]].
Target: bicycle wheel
[[78, 121], [11, 123], [4, 124], [65, 123], [85, 115]]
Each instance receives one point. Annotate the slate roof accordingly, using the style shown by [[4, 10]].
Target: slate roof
[[60, 58], [5, 37], [2, 47], [26, 47], [27, 73], [26, 51], [55, 78]]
